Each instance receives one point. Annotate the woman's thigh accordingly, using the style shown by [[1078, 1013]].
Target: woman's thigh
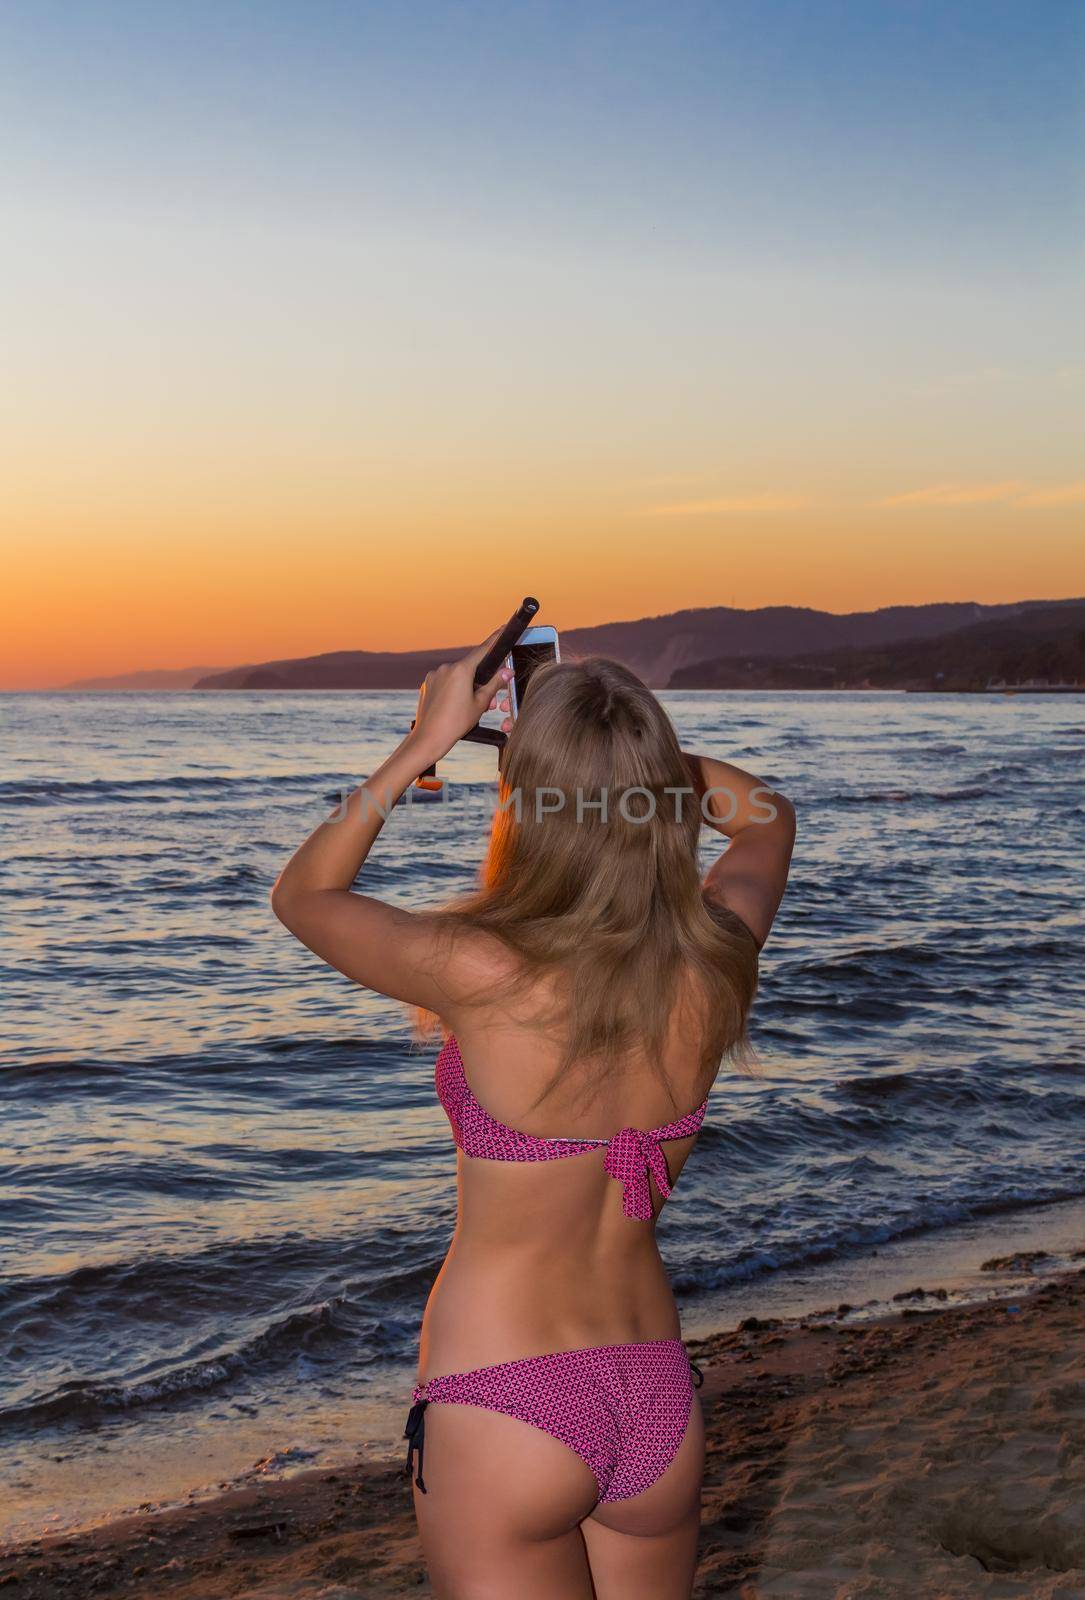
[[503, 1508], [645, 1548]]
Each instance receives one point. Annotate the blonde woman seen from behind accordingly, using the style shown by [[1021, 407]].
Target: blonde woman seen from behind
[[588, 991]]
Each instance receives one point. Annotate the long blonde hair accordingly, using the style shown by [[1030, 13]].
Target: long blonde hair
[[607, 906]]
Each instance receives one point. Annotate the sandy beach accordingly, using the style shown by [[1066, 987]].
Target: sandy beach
[[937, 1451]]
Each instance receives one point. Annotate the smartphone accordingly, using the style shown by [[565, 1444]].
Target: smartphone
[[534, 648]]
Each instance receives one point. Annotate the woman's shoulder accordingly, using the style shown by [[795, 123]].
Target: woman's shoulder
[[473, 964]]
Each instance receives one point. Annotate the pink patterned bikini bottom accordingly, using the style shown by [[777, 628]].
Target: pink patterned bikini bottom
[[623, 1408]]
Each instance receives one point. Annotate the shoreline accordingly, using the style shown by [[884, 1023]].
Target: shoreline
[[917, 1452], [953, 1255], [110, 1475]]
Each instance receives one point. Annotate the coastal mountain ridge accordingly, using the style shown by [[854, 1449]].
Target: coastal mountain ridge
[[1045, 644], [698, 647], [656, 648]]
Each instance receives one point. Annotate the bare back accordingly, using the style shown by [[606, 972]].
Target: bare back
[[544, 1256]]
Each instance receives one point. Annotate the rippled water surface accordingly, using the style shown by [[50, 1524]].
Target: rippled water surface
[[226, 1185]]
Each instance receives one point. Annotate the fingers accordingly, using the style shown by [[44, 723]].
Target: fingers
[[500, 702], [490, 690]]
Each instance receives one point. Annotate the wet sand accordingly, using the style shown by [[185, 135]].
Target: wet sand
[[937, 1452]]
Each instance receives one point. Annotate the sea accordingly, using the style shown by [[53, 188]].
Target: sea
[[226, 1185]]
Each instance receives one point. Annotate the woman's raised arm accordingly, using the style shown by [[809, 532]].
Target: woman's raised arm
[[381, 946], [750, 876]]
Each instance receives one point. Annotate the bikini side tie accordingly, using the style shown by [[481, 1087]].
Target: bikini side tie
[[415, 1431]]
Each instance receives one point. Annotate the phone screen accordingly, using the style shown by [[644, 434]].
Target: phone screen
[[525, 659]]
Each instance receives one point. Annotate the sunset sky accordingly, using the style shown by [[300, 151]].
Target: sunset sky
[[342, 325]]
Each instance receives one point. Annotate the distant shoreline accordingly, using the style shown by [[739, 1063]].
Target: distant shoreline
[[1011, 690], [960, 646], [803, 689]]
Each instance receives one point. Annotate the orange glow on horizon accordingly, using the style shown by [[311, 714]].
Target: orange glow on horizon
[[120, 590]]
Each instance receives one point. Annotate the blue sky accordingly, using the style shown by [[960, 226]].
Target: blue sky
[[940, 137], [665, 278]]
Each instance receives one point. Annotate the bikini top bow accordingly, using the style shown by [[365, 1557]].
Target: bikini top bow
[[630, 1155]]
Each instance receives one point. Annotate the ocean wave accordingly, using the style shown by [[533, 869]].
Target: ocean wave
[[864, 1114], [951, 969], [903, 796], [177, 1289], [118, 791], [857, 1235], [284, 1338], [292, 1070], [125, 1335]]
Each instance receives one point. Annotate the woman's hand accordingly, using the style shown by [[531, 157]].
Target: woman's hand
[[449, 705]]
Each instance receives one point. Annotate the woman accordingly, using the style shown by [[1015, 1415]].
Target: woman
[[588, 990]]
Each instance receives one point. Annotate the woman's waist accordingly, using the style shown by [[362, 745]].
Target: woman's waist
[[489, 1306]]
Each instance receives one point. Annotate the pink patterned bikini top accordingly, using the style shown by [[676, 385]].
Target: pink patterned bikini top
[[631, 1154]]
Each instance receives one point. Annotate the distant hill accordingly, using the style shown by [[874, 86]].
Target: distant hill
[[178, 678], [657, 648], [1037, 642], [339, 669]]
